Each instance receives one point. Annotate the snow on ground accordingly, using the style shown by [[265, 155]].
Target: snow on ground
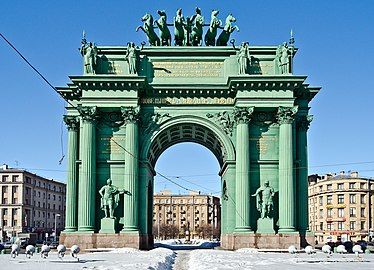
[[252, 259], [156, 259]]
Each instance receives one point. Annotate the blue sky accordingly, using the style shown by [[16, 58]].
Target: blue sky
[[335, 40]]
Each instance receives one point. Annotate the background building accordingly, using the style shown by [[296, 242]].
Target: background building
[[194, 211], [30, 203], [340, 206]]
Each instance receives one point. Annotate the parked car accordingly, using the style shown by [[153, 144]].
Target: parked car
[[348, 246], [7, 244], [53, 244]]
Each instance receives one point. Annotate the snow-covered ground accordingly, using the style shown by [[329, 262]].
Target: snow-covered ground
[[126, 258], [165, 259], [181, 244], [252, 259]]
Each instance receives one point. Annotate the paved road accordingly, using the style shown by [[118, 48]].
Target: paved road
[[181, 260]]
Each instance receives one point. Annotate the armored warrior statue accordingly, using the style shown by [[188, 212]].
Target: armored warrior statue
[[132, 57], [110, 198], [244, 58], [284, 59], [264, 199], [89, 53]]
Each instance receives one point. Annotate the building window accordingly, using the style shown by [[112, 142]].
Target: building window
[[329, 227], [362, 212], [329, 213], [321, 226], [341, 212], [340, 198], [39, 194], [320, 200], [362, 225], [340, 225], [352, 198], [352, 185], [362, 198], [329, 199], [352, 225], [362, 185], [341, 186], [4, 178], [352, 212], [320, 189], [14, 178], [329, 187]]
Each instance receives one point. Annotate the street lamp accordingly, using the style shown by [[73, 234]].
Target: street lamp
[[57, 215]]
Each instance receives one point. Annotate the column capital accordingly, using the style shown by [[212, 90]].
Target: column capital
[[71, 121], [285, 115], [243, 115], [130, 114], [88, 113], [304, 121]]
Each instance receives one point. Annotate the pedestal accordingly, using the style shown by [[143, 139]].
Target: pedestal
[[265, 225], [108, 225]]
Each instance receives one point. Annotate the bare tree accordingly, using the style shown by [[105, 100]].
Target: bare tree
[[168, 231]]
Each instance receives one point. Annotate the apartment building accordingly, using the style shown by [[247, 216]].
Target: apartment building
[[30, 203], [187, 211], [340, 207]]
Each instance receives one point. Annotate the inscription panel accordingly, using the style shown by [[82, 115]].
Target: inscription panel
[[109, 146], [187, 101], [266, 145], [191, 69]]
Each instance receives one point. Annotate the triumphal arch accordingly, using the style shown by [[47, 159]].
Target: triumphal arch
[[243, 102]]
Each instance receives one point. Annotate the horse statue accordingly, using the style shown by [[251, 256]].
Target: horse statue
[[197, 29], [164, 30], [210, 36], [179, 23], [149, 30], [227, 30]]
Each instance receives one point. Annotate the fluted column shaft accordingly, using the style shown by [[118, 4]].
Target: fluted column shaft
[[302, 152], [242, 117], [286, 175], [71, 224], [87, 177], [131, 223]]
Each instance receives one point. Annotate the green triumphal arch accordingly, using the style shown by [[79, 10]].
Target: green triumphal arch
[[243, 103]]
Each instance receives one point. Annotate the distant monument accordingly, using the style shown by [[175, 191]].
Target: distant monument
[[243, 102]]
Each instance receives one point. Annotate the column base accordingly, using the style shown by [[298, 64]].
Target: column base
[[246, 229], [107, 240], [71, 229], [130, 229], [287, 230]]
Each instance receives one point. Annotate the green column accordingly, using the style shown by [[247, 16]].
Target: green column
[[72, 123], [302, 187], [286, 175], [242, 118], [228, 213], [145, 203], [130, 116], [87, 176]]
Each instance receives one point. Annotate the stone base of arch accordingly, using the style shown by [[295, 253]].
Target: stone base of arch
[[105, 240], [265, 241]]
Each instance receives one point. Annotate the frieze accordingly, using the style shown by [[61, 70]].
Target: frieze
[[191, 69], [187, 101]]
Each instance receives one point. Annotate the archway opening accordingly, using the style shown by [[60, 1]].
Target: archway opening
[[187, 191]]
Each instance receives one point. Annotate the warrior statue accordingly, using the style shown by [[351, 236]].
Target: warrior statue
[[244, 58], [264, 199], [132, 56], [89, 53], [179, 23], [197, 29], [284, 59], [210, 36], [110, 198]]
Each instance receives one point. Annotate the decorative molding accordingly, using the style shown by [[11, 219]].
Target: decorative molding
[[285, 115], [150, 121], [243, 115], [112, 119], [224, 120], [72, 122], [130, 114], [303, 122], [87, 113]]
